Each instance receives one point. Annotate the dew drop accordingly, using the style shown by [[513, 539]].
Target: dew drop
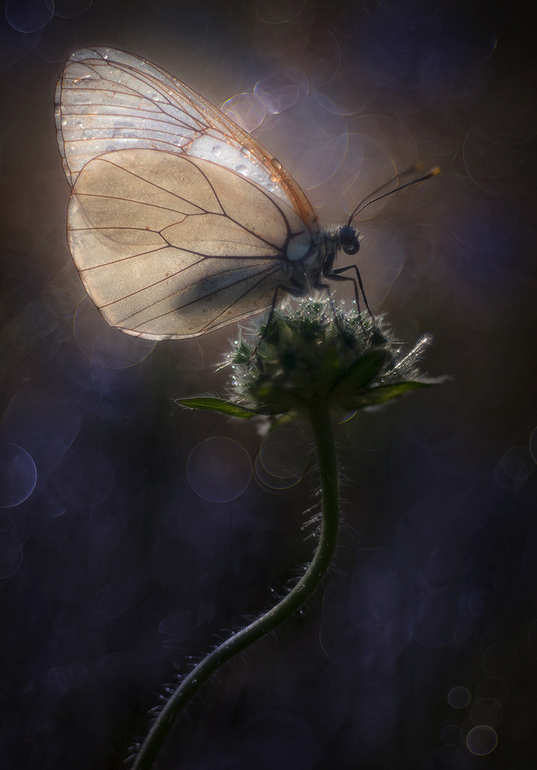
[[241, 169], [245, 152], [217, 150], [273, 179], [276, 163]]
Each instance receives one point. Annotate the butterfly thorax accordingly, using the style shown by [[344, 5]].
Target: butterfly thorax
[[307, 274]]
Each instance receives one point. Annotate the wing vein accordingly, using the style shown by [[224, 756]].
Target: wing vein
[[269, 271], [179, 221]]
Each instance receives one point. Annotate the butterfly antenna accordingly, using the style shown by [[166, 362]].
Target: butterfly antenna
[[368, 200]]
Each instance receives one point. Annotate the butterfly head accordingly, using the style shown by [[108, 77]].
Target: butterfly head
[[348, 239]]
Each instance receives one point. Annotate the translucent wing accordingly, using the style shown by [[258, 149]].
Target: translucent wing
[[172, 246], [179, 221], [109, 100]]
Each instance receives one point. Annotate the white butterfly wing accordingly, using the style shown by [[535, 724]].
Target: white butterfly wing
[[170, 246], [179, 221], [109, 100]]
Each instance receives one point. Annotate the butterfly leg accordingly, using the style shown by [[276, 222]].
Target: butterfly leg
[[341, 330], [335, 275], [270, 317]]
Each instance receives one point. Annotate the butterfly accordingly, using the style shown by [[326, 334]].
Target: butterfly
[[179, 222]]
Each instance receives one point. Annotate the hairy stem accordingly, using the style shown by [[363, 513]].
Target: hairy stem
[[326, 455]]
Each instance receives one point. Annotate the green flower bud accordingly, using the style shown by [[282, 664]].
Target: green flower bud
[[312, 352]]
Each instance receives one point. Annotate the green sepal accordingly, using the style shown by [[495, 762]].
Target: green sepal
[[273, 399], [382, 394], [212, 404], [359, 374], [287, 418]]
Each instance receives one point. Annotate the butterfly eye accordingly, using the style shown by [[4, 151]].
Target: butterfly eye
[[348, 239]]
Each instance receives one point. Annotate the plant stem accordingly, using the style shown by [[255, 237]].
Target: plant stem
[[329, 483]]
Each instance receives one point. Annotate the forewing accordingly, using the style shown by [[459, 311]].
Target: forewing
[[170, 246], [109, 100]]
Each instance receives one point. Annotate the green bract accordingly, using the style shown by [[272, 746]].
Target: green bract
[[313, 352], [307, 362]]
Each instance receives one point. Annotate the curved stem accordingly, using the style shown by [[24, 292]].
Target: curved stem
[[329, 483]]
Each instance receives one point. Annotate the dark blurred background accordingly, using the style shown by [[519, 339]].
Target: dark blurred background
[[132, 535]]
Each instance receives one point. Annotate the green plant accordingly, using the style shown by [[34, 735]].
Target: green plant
[[312, 363]]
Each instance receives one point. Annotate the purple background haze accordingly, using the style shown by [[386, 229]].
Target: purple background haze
[[123, 556]]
